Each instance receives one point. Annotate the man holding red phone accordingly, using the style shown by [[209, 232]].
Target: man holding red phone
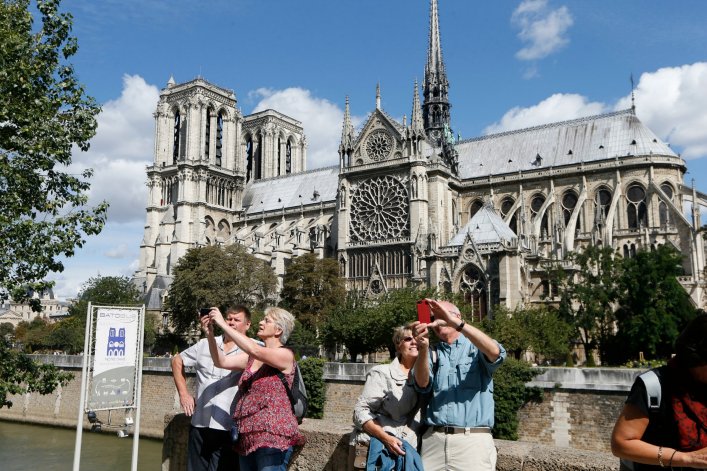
[[457, 373]]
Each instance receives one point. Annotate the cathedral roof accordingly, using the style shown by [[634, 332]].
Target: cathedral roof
[[583, 140], [311, 187], [485, 227]]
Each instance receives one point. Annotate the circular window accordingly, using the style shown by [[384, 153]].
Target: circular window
[[506, 206], [379, 210], [636, 194], [537, 203], [379, 145]]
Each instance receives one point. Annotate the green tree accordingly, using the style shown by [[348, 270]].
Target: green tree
[[654, 308], [68, 334], [35, 335], [510, 394], [20, 375], [217, 276], [6, 328], [536, 329], [366, 325], [588, 296], [311, 287], [44, 113]]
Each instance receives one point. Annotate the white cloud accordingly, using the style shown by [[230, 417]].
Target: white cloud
[[558, 107], [321, 119], [121, 148], [541, 30], [670, 101]]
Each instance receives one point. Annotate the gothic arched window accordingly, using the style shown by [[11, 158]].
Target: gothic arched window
[[636, 212], [288, 157], [663, 212], [602, 203], [207, 134], [177, 127], [536, 204], [219, 138], [474, 208], [473, 285], [506, 206], [248, 158]]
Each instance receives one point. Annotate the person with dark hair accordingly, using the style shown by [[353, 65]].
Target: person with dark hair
[[209, 445], [664, 421]]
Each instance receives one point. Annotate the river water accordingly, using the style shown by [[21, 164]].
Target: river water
[[43, 448]]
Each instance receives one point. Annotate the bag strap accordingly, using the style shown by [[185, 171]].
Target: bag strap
[[653, 390], [287, 387]]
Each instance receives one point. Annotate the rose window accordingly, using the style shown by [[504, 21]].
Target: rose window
[[378, 145], [379, 210]]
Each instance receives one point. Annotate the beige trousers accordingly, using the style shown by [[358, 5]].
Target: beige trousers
[[458, 452]]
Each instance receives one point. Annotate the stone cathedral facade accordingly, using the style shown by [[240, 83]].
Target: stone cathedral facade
[[408, 204]]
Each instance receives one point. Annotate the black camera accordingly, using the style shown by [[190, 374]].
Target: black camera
[[204, 311]]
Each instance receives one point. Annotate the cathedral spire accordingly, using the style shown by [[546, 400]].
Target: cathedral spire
[[416, 124], [378, 96], [347, 132], [436, 87]]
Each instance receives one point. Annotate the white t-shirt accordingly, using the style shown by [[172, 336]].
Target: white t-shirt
[[215, 387]]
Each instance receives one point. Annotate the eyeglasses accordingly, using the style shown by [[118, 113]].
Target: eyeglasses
[[408, 339]]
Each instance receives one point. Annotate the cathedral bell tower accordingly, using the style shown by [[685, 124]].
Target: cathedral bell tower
[[435, 110]]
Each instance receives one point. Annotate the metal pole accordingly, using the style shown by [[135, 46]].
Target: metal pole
[[84, 382], [136, 435]]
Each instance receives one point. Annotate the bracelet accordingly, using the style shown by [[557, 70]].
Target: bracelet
[[461, 326], [670, 463], [660, 457]]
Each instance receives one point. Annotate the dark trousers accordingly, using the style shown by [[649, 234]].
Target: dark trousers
[[210, 450]]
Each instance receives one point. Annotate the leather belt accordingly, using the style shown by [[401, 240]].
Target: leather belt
[[452, 430]]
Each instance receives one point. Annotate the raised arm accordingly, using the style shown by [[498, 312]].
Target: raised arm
[[280, 358], [238, 361], [486, 345], [421, 368]]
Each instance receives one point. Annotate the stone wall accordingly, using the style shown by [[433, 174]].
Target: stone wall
[[578, 411], [327, 450]]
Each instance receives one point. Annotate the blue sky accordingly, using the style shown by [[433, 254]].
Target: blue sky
[[511, 64]]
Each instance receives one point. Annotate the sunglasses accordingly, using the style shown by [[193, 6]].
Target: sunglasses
[[408, 339]]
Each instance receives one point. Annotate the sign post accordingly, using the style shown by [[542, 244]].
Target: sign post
[[112, 369]]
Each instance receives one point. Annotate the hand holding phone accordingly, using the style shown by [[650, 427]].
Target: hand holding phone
[[424, 313], [204, 311]]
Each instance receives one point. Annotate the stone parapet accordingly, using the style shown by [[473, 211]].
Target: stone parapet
[[327, 450]]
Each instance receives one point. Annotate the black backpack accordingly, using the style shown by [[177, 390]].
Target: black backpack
[[654, 393], [297, 395]]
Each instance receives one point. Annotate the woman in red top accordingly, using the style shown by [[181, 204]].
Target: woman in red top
[[266, 426]]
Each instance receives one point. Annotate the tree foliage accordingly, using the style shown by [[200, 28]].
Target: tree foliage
[[588, 296], [311, 288], [20, 375], [44, 113], [217, 276], [312, 370], [365, 325], [6, 328], [510, 394], [536, 329], [653, 308]]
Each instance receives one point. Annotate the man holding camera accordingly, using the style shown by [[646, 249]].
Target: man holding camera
[[457, 373], [210, 446]]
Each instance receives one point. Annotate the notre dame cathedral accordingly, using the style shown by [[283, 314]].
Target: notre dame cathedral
[[409, 205]]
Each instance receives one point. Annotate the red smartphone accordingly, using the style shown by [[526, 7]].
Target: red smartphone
[[424, 314]]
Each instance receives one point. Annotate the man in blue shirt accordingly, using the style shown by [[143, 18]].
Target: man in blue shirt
[[458, 374]]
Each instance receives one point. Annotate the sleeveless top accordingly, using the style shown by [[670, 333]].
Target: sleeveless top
[[263, 413]]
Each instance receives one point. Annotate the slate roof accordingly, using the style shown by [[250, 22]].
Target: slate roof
[[589, 139], [273, 194], [485, 227]]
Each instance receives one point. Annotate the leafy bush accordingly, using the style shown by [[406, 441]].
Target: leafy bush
[[312, 369], [510, 394]]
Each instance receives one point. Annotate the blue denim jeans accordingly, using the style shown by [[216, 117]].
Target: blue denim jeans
[[266, 459]]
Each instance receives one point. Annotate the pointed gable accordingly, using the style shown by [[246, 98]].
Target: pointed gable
[[486, 227]]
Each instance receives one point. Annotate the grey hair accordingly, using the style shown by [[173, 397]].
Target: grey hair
[[283, 320], [399, 334]]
